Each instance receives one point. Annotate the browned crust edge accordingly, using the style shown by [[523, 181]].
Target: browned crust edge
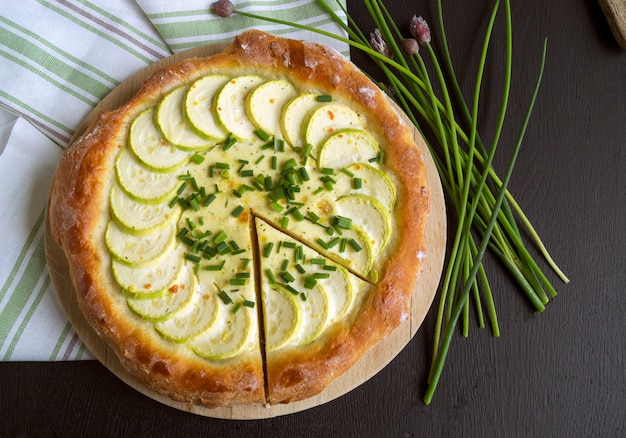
[[78, 191]]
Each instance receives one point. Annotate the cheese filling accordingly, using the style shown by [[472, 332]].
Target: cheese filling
[[235, 190]]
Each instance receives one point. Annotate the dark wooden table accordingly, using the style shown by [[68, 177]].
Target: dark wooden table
[[560, 373]]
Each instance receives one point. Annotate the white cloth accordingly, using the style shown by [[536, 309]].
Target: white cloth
[[58, 59]]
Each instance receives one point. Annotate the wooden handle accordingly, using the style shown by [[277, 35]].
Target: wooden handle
[[615, 12]]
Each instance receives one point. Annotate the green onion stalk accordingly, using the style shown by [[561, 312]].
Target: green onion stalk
[[488, 217]]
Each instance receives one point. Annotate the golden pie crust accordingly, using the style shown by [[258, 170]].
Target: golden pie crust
[[79, 211]]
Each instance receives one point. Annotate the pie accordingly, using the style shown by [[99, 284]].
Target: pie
[[246, 226]]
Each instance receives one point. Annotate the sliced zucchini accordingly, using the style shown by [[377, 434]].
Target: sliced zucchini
[[199, 107], [149, 146], [231, 109], [141, 183]]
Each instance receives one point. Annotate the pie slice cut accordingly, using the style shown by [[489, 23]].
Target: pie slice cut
[[309, 303]]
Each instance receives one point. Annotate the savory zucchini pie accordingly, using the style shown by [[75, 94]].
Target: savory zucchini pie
[[247, 226]]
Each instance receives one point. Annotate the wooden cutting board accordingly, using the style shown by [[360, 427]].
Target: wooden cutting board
[[370, 364]]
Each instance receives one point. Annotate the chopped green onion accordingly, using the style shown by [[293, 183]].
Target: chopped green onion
[[209, 253], [190, 224], [246, 262], [194, 204], [262, 134], [304, 174], [183, 204], [208, 200], [237, 211], [197, 158], [268, 249], [355, 246], [347, 172], [297, 215], [287, 277], [193, 258], [279, 145], [324, 98], [343, 222], [290, 163], [276, 207], [310, 282], [291, 289], [258, 186], [194, 184], [224, 297], [321, 243], [214, 267], [230, 141], [223, 248], [270, 275], [342, 245], [205, 234], [220, 237], [307, 152]]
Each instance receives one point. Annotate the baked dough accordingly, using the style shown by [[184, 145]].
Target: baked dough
[[90, 181]]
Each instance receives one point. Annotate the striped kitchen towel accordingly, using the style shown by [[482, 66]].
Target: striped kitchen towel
[[193, 24], [58, 59]]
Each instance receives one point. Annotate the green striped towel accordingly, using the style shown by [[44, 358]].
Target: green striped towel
[[58, 59]]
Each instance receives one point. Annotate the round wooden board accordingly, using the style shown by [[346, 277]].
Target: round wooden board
[[370, 364]]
